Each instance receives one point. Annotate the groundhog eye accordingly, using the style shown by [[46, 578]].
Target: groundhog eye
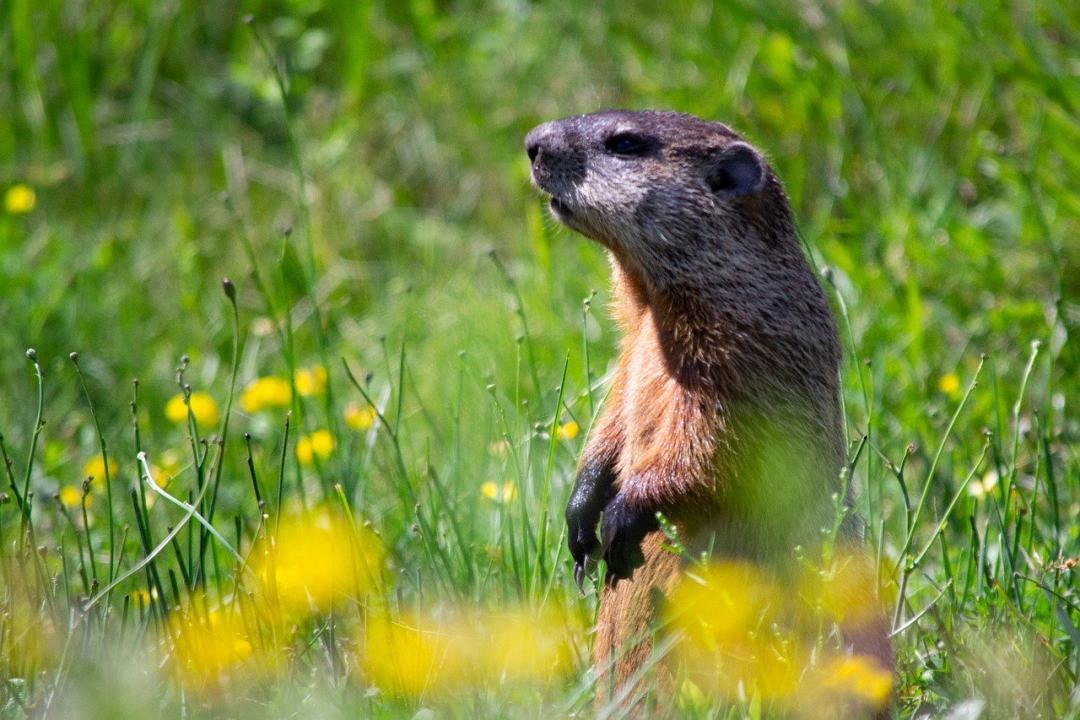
[[627, 144]]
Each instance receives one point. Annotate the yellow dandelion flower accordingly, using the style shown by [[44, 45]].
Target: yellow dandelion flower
[[403, 658], [95, 467], [203, 408], [360, 417], [414, 655], [20, 199], [71, 496], [723, 603], [860, 676], [726, 615], [265, 392], [499, 493], [310, 380], [316, 560], [521, 646], [950, 385], [567, 431], [318, 444], [176, 409], [207, 645]]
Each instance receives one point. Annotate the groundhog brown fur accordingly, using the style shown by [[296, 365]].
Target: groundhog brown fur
[[724, 412]]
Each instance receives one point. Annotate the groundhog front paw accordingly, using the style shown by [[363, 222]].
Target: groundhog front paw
[[623, 529], [592, 492]]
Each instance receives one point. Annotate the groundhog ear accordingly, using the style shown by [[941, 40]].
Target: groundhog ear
[[738, 169]]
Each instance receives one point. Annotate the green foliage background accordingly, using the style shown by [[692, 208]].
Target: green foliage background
[[932, 154]]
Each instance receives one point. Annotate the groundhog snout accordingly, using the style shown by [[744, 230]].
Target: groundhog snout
[[541, 137], [556, 165]]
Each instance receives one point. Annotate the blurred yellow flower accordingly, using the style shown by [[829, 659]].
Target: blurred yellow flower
[[310, 380], [265, 392], [360, 417], [318, 559], [522, 646], [567, 431], [402, 658], [860, 676], [745, 633], [71, 496], [846, 591], [499, 493], [203, 408], [414, 655], [318, 444], [725, 615], [30, 637], [722, 603], [95, 467], [20, 199], [207, 643], [950, 385]]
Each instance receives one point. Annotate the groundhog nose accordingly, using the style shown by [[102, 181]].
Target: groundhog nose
[[539, 138]]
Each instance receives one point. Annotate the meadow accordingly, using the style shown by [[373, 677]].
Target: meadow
[[295, 367]]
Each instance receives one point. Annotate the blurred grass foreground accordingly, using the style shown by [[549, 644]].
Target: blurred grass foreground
[[333, 485]]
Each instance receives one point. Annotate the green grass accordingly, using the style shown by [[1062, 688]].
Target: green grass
[[356, 169]]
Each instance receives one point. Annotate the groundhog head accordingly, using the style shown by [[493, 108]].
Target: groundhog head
[[661, 190]]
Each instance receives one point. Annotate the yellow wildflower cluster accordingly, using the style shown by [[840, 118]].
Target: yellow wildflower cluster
[[438, 654], [203, 407], [317, 559], [498, 493], [265, 392], [273, 391], [310, 380], [744, 634], [319, 444], [208, 644], [360, 417]]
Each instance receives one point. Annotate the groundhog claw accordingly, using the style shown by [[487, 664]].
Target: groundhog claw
[[579, 576], [591, 493], [623, 529]]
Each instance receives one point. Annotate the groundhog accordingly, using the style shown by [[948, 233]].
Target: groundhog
[[724, 412]]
